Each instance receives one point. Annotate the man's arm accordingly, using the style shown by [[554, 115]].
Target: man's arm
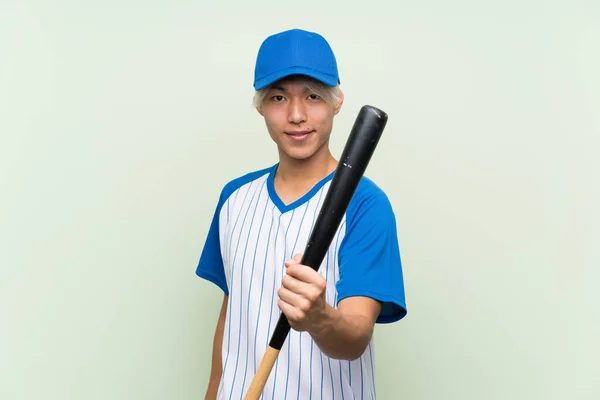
[[342, 333], [347, 331], [217, 364]]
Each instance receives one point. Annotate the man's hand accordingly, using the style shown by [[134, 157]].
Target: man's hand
[[343, 332], [302, 298]]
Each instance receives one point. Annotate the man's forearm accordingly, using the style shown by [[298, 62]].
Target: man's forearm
[[343, 336], [216, 368], [217, 364]]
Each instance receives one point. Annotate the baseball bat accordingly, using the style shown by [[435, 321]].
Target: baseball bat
[[359, 148]]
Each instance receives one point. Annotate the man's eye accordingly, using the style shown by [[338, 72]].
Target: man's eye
[[314, 97], [277, 98]]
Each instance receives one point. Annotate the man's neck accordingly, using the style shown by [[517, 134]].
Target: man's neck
[[305, 171], [294, 178]]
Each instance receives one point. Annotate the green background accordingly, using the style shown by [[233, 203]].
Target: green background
[[120, 121]]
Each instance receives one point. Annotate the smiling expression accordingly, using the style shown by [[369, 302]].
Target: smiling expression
[[298, 120]]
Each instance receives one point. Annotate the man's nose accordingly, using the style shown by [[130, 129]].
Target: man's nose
[[297, 112]]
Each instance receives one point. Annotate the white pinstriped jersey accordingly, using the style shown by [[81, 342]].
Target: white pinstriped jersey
[[251, 236]]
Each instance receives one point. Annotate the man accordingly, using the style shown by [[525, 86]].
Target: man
[[260, 228]]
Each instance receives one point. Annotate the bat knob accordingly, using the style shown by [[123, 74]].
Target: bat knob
[[374, 111]]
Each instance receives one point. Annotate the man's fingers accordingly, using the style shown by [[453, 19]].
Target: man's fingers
[[293, 299], [295, 260], [293, 284], [306, 274], [292, 313], [307, 291]]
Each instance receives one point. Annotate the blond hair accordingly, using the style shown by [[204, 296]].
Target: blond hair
[[331, 94]]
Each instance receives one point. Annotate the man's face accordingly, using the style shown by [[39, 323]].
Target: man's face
[[298, 121]]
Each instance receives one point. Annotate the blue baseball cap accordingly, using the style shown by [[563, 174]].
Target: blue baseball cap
[[292, 52]]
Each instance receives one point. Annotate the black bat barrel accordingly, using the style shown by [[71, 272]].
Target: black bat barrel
[[360, 146]]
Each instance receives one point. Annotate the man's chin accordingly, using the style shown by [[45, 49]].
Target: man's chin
[[299, 155]]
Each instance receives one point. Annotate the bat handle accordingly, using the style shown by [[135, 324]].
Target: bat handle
[[262, 374]]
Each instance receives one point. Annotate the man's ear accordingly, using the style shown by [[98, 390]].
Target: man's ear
[[259, 109], [338, 105]]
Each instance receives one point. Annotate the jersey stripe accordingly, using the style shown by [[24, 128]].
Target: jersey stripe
[[247, 346], [292, 253], [241, 307], [231, 299], [273, 310], [231, 286]]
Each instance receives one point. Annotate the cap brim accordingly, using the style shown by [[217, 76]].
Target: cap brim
[[268, 80]]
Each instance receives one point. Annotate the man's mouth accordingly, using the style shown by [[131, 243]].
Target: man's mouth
[[299, 135]]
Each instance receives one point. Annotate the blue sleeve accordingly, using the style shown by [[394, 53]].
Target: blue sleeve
[[210, 266], [369, 255]]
